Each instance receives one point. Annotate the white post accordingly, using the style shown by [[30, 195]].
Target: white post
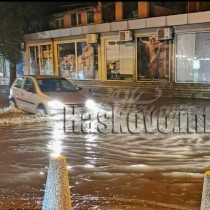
[[57, 191], [205, 202]]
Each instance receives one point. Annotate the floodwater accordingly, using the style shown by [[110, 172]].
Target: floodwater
[[112, 163]]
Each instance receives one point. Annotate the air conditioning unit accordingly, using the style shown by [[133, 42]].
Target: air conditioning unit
[[126, 35], [165, 33], [92, 38]]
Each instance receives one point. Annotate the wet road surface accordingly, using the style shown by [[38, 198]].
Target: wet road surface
[[106, 171]]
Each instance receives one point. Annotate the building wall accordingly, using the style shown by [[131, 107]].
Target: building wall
[[183, 24], [67, 21]]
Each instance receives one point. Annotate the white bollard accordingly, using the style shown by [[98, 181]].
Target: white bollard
[[205, 202], [57, 192]]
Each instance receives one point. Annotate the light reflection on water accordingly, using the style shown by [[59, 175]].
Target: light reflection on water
[[150, 169], [55, 145]]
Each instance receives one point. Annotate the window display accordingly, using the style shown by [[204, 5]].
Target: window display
[[119, 60], [67, 60], [46, 60], [152, 59], [193, 57], [34, 60], [78, 60], [85, 60], [41, 60]]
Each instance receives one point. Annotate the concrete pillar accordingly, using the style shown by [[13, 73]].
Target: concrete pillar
[[205, 202], [57, 192]]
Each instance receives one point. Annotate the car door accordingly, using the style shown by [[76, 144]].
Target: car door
[[29, 95]]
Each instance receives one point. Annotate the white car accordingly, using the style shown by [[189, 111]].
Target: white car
[[44, 94]]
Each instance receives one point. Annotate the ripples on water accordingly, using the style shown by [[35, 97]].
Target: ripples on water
[[119, 171]]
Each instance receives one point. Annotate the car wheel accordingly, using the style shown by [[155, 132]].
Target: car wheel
[[12, 104], [40, 111]]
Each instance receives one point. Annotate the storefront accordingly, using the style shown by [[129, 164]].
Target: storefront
[[143, 59], [147, 60], [71, 59]]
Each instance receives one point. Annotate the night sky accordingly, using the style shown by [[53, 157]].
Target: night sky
[[50, 6]]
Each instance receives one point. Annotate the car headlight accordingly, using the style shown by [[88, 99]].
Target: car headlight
[[90, 104], [55, 104]]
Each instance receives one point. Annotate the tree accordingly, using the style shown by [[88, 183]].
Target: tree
[[14, 18]]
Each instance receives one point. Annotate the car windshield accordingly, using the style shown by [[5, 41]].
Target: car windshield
[[55, 85]]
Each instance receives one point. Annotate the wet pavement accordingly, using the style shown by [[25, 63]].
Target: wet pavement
[[113, 171]]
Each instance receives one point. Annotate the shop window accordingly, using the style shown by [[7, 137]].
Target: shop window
[[34, 60], [78, 60], [76, 19], [152, 59], [90, 16], [67, 60], [87, 60], [40, 60], [46, 60], [193, 57], [130, 10], [119, 60]]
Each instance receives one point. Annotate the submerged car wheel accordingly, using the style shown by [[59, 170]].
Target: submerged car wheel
[[40, 111], [12, 104]]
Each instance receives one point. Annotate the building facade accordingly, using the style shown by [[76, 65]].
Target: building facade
[[127, 44]]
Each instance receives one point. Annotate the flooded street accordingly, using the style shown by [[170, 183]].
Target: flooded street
[[110, 170]]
